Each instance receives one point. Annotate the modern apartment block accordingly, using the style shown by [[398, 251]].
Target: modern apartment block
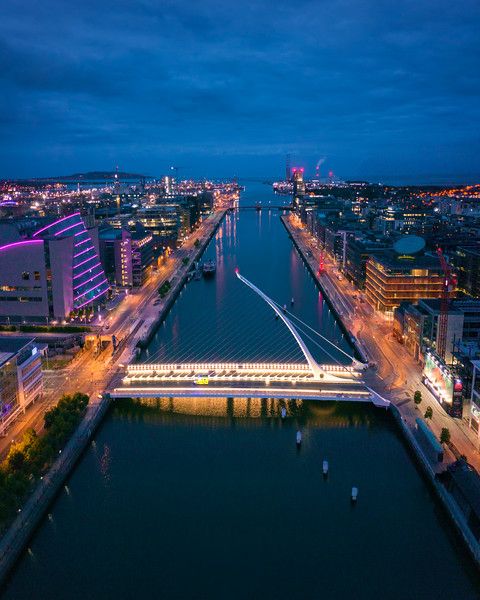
[[21, 377], [116, 255], [467, 267], [392, 279], [142, 256]]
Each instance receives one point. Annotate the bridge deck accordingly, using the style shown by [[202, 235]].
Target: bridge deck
[[243, 380], [232, 372]]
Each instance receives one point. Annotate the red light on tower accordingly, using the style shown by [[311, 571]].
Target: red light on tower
[[321, 266]]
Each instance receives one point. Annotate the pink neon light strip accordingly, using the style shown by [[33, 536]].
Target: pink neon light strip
[[91, 289], [83, 252], [67, 228], [94, 298], [87, 270], [54, 223], [24, 243], [85, 261], [82, 242], [88, 281], [80, 232]]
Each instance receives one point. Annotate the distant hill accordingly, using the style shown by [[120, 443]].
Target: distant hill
[[89, 176]]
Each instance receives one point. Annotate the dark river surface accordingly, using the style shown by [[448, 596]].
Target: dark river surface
[[204, 498]]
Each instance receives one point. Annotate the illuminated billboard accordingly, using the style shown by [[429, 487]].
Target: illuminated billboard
[[444, 385]]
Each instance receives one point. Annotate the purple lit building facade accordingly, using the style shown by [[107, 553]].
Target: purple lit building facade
[[54, 273]]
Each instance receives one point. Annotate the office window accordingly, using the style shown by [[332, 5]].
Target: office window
[[36, 275]]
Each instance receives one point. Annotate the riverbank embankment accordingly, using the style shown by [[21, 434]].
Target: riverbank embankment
[[32, 512], [332, 299], [452, 509]]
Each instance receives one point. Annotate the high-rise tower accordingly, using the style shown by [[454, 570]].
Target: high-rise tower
[[298, 183]]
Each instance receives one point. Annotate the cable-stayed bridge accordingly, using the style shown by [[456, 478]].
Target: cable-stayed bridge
[[307, 380]]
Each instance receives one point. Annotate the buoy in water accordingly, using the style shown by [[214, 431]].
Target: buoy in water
[[283, 412], [354, 494], [292, 301], [299, 439], [284, 308], [325, 467]]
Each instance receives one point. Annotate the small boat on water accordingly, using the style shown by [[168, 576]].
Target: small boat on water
[[325, 467], [283, 412], [299, 439], [354, 494], [209, 268]]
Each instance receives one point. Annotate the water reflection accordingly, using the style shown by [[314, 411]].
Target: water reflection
[[317, 414]]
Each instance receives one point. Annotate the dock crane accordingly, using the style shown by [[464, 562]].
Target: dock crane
[[449, 283]]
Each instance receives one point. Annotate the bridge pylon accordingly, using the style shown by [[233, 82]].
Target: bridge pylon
[[316, 369]]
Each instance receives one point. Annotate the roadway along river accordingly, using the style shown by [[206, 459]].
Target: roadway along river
[[211, 499]]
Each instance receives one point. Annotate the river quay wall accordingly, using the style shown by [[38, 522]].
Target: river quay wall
[[450, 506], [359, 352], [33, 511]]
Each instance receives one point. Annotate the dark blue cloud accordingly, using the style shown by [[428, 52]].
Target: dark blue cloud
[[383, 90]]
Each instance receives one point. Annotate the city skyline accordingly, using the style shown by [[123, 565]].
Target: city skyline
[[383, 93]]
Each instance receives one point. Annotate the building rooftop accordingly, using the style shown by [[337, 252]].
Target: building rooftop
[[433, 305], [13, 344], [467, 305], [5, 356], [110, 233], [392, 261], [467, 481]]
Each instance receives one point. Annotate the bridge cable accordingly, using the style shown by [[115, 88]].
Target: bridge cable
[[317, 333]]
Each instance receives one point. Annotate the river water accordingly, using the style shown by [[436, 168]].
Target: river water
[[211, 499]]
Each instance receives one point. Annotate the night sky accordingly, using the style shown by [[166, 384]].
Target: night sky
[[383, 90]]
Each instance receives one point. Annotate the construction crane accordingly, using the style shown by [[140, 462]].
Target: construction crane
[[449, 283]]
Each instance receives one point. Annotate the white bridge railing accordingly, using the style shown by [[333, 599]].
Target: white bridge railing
[[230, 366]]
